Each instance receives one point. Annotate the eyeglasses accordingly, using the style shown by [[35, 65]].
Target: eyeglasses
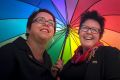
[[87, 28], [42, 20]]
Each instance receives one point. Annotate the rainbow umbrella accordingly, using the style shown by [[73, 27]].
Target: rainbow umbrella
[[14, 14]]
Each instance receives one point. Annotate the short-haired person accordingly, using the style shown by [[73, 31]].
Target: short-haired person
[[92, 60], [28, 59]]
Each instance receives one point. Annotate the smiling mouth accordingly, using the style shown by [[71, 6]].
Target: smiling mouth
[[45, 30], [88, 37]]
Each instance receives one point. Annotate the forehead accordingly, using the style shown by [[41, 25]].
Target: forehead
[[46, 15], [92, 23]]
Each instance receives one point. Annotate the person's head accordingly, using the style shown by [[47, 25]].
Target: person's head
[[91, 28], [41, 24]]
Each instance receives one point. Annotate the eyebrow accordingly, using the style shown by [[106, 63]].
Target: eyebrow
[[91, 27]]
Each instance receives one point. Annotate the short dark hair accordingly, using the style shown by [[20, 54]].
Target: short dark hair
[[33, 15], [95, 16]]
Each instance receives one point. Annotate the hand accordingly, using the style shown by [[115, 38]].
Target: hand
[[57, 67]]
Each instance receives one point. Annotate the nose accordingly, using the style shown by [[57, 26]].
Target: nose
[[46, 24], [89, 31]]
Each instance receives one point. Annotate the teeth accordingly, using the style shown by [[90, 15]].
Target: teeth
[[88, 38], [44, 30]]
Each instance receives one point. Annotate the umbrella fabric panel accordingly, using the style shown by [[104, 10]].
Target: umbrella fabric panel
[[82, 5], [111, 38], [72, 42], [11, 40], [75, 40], [10, 28], [54, 47], [12, 9], [59, 25], [46, 4], [70, 7], [112, 23], [65, 8], [69, 49], [61, 7], [107, 7]]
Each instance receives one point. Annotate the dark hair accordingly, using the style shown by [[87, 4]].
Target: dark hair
[[33, 15], [95, 16]]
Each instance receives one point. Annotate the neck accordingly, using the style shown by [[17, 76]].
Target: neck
[[37, 48]]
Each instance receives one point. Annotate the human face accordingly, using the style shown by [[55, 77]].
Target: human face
[[42, 27], [89, 33]]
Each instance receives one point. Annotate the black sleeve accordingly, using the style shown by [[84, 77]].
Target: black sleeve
[[47, 59], [6, 62], [111, 64]]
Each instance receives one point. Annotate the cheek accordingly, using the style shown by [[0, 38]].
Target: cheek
[[81, 34], [52, 30], [34, 30], [96, 38], [81, 37]]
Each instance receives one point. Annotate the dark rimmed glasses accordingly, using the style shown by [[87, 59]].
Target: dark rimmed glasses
[[93, 30], [42, 20]]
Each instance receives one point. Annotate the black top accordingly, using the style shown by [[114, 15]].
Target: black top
[[73, 71], [105, 65], [18, 63]]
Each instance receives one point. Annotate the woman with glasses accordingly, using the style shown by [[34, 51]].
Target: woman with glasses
[[28, 59], [92, 60]]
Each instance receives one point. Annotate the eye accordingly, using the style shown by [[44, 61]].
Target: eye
[[51, 23], [84, 28], [41, 20], [95, 30]]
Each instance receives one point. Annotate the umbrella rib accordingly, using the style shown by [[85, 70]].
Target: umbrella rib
[[60, 24], [74, 32], [57, 39], [58, 12], [60, 28], [30, 4], [12, 18], [66, 12], [60, 31], [86, 10], [74, 11], [112, 14], [67, 32], [75, 39], [113, 30], [53, 5], [105, 42], [74, 22], [70, 46]]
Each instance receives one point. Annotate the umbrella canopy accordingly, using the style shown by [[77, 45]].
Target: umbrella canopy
[[14, 14]]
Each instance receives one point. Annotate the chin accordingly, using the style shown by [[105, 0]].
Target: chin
[[88, 45]]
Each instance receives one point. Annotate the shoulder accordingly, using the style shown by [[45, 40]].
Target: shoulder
[[109, 49], [6, 55], [6, 48], [111, 61], [109, 53], [10, 47]]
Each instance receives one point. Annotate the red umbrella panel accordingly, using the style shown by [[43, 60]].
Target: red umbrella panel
[[110, 9]]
